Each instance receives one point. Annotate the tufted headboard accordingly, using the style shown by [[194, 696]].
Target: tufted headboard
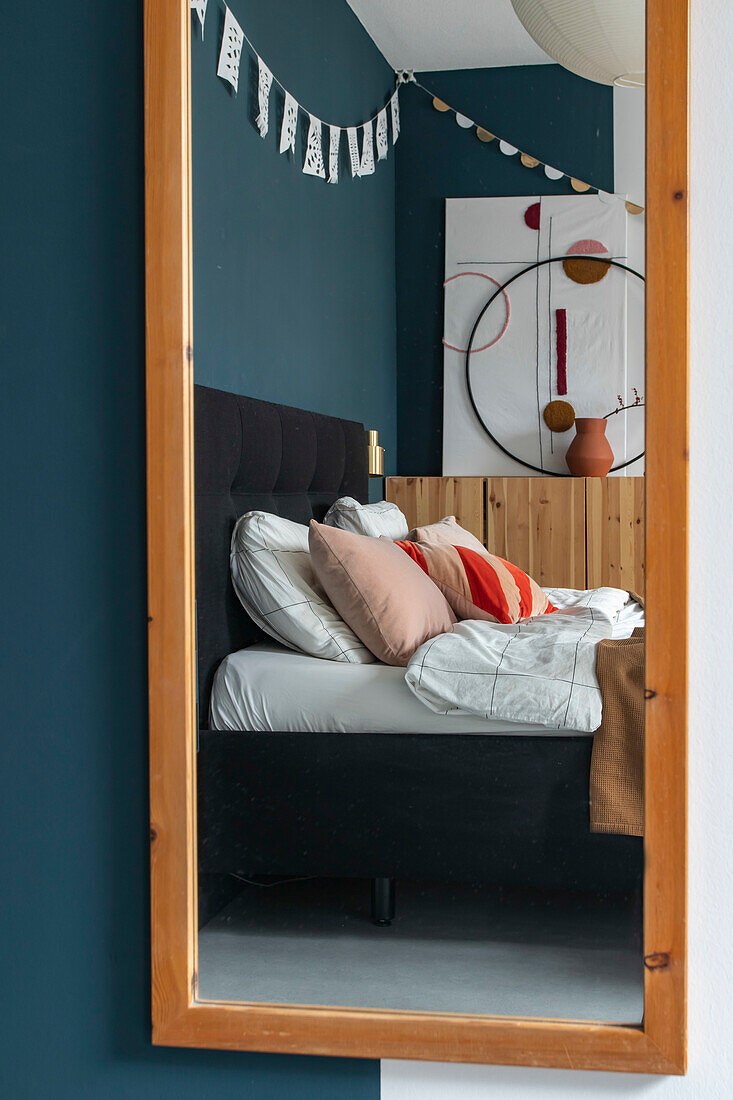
[[253, 454]]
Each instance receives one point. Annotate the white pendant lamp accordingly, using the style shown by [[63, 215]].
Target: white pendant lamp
[[602, 40]]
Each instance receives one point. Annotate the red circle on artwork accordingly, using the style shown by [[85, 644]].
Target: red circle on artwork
[[532, 216], [481, 275]]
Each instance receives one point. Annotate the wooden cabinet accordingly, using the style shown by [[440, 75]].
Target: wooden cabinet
[[615, 532], [565, 532], [538, 523]]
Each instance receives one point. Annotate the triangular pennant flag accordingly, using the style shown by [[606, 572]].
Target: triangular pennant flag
[[313, 163], [382, 139], [367, 150], [290, 122], [394, 105], [353, 149], [231, 50], [264, 82], [199, 6], [333, 154]]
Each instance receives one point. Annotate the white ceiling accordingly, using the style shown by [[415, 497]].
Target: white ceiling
[[448, 34]]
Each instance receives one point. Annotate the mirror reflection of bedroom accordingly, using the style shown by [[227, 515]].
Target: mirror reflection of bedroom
[[419, 489]]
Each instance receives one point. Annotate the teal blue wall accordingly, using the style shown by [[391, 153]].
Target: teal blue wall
[[73, 752], [294, 294], [560, 118]]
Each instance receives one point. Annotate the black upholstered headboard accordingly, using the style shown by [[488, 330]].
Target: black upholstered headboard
[[253, 454]]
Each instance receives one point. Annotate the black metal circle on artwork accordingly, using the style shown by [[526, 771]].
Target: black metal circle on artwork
[[469, 347]]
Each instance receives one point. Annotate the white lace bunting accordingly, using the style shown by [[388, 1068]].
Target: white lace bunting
[[264, 83], [394, 105], [353, 149], [334, 144], [199, 6], [382, 139], [366, 167], [231, 50], [290, 122], [363, 156], [313, 164]]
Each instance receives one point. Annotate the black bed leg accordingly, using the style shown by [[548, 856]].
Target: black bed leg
[[382, 901]]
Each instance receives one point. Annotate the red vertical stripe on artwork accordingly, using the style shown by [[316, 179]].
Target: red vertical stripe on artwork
[[413, 551], [561, 332], [485, 586]]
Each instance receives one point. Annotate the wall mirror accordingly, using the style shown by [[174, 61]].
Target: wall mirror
[[417, 415]]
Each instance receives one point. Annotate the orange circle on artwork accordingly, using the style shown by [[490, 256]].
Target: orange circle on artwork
[[581, 270], [584, 271], [559, 416]]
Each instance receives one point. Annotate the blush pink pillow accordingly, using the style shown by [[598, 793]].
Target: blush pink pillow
[[384, 596]]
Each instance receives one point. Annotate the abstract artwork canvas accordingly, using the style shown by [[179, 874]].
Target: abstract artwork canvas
[[559, 332]]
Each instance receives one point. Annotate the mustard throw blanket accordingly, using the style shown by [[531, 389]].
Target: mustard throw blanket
[[617, 761]]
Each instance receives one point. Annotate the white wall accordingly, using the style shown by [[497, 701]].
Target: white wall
[[628, 176], [710, 1075]]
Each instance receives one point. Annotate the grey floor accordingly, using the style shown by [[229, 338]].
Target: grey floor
[[450, 949]]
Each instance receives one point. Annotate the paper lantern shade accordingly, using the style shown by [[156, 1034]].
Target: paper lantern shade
[[603, 42]]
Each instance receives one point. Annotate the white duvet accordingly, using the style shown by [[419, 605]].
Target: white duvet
[[540, 672]]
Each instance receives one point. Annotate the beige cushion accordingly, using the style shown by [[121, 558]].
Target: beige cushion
[[447, 531], [386, 599]]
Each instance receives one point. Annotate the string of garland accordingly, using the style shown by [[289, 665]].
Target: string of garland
[[483, 134], [362, 160]]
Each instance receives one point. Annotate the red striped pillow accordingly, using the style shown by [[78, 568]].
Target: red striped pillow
[[479, 585]]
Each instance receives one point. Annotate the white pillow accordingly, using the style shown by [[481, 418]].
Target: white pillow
[[382, 518], [276, 585]]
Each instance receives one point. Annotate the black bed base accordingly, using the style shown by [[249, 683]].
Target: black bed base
[[496, 809]]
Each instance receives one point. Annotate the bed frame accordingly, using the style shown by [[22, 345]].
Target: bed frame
[[472, 808]]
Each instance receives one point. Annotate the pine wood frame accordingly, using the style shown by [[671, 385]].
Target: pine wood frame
[[179, 1018]]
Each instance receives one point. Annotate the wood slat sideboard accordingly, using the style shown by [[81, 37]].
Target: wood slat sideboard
[[538, 523], [564, 532], [616, 530]]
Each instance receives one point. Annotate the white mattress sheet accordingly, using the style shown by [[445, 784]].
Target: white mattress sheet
[[267, 687]]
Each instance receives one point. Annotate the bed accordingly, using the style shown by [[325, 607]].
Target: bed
[[463, 802]]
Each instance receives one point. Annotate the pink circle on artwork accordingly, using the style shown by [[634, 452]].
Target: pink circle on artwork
[[586, 247], [532, 216], [480, 275]]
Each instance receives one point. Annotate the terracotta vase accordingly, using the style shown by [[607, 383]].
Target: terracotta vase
[[590, 454]]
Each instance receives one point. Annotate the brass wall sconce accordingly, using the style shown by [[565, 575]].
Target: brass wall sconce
[[375, 454]]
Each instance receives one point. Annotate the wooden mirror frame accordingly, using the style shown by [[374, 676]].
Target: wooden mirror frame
[[658, 1045]]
